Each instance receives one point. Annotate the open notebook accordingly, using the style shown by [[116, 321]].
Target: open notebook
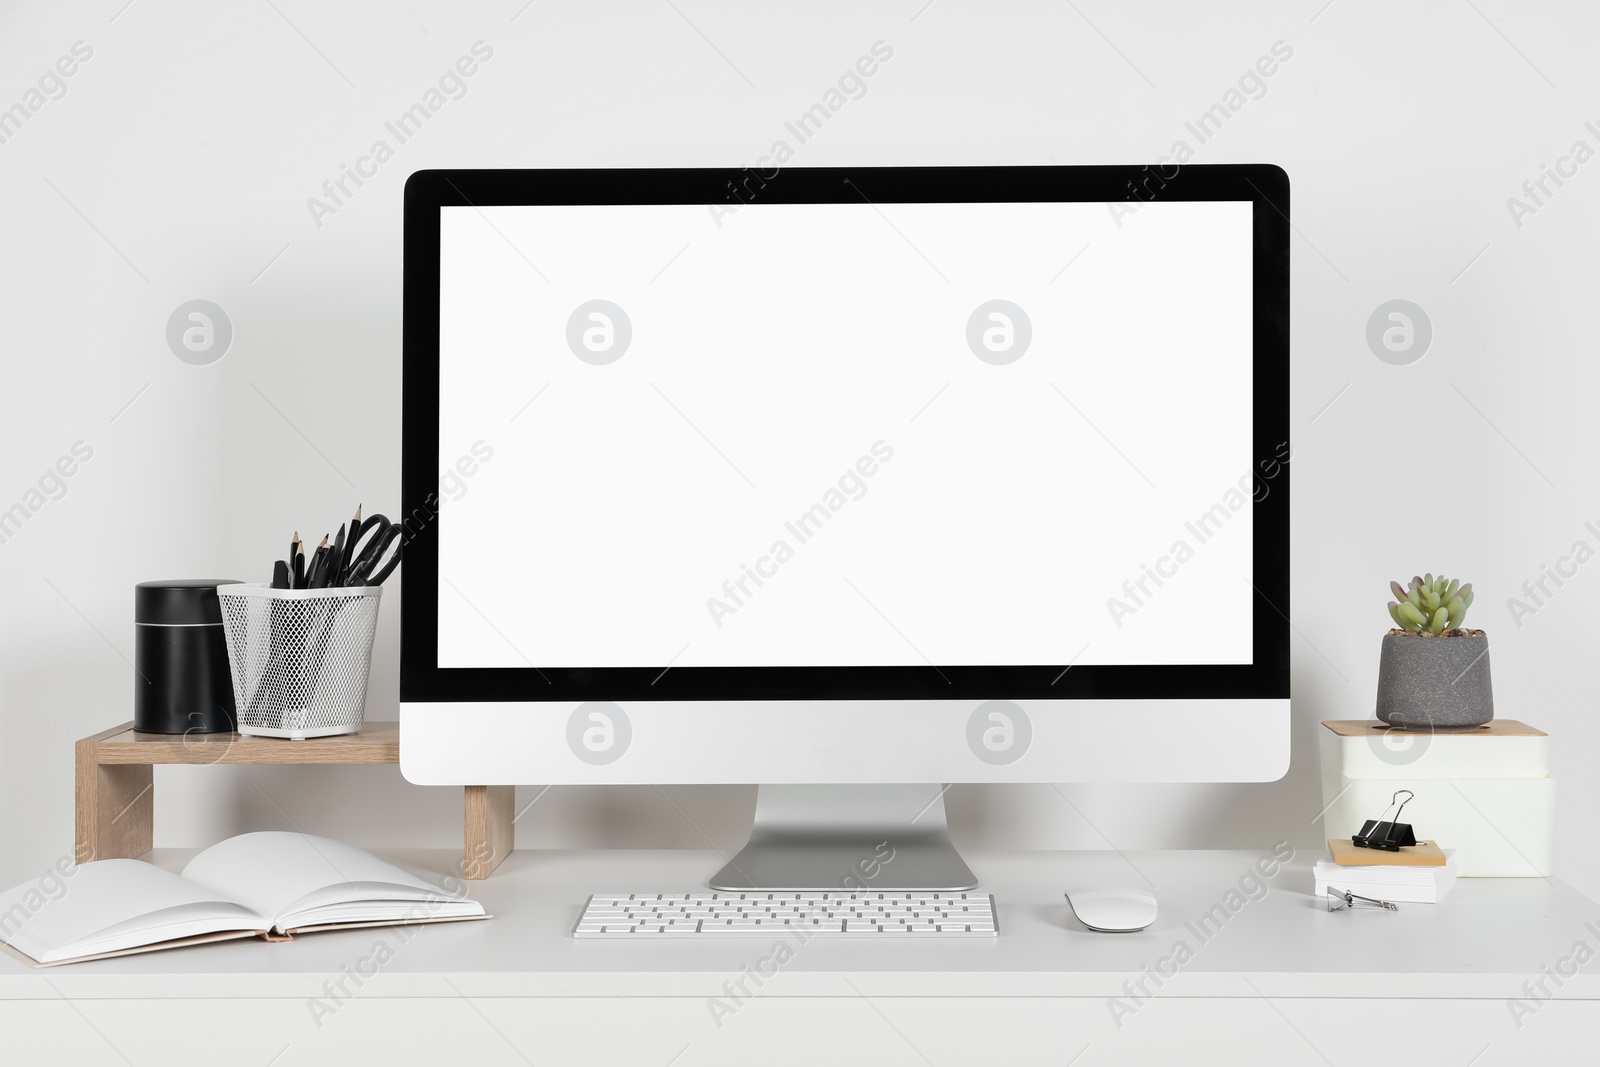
[[268, 885]]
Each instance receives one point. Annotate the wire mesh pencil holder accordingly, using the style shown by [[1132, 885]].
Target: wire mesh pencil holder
[[299, 657]]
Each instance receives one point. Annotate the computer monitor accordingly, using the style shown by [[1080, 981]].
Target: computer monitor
[[849, 482]]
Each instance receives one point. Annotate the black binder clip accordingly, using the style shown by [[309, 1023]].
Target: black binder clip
[[1389, 836]]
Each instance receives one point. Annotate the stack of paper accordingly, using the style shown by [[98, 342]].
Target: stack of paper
[[1419, 875]]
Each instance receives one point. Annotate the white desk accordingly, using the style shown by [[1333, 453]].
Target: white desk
[[1283, 982]]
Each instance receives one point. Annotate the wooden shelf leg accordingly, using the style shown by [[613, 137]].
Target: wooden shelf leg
[[489, 836], [115, 807]]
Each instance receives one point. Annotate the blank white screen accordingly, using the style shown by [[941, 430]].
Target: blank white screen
[[774, 348]]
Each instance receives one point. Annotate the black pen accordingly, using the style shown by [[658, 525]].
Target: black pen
[[280, 574]]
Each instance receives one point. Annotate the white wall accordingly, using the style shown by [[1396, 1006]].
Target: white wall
[[179, 163]]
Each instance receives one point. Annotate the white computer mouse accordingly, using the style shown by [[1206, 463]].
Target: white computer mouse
[[1113, 911]]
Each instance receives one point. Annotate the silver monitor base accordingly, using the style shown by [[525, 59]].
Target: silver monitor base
[[848, 837]]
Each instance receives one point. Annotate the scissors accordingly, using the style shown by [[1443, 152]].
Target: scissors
[[367, 564]]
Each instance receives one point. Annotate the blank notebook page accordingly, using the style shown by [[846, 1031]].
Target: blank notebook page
[[273, 871], [110, 893]]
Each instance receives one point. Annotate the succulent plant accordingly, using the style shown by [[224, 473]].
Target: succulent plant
[[1430, 605]]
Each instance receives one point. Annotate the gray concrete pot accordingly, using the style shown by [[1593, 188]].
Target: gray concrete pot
[[1437, 683]]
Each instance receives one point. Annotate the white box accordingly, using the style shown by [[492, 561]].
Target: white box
[[1488, 793]]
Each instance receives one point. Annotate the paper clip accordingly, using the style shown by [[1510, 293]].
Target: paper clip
[[1388, 836], [1339, 899]]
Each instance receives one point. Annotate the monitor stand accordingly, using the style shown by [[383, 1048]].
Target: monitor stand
[[848, 837]]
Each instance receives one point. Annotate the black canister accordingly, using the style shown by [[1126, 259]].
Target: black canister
[[181, 658]]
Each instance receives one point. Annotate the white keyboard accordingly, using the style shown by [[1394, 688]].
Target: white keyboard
[[835, 914]]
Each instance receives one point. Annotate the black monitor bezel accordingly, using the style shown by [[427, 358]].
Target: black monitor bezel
[[1120, 187]]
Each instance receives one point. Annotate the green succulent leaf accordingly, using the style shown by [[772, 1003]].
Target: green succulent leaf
[[1431, 603]]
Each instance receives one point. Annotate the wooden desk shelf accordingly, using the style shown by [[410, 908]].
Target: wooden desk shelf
[[115, 788]]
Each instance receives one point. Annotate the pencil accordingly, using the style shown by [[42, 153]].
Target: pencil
[[299, 564], [336, 560], [350, 546], [317, 576]]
